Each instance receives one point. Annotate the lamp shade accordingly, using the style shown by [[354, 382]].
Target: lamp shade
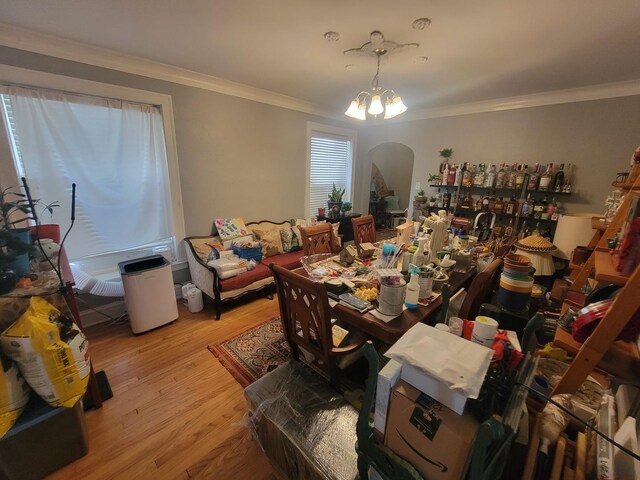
[[376, 107], [572, 230], [352, 111], [398, 105]]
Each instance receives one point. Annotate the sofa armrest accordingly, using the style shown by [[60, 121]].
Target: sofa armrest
[[202, 275]]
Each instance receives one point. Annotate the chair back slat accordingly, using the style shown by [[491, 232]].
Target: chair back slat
[[317, 239], [364, 229]]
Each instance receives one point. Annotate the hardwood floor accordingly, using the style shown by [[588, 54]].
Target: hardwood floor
[[175, 412]]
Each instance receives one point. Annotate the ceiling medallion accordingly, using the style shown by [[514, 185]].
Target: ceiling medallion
[[331, 36], [421, 23]]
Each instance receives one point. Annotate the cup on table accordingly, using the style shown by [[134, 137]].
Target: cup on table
[[455, 325]]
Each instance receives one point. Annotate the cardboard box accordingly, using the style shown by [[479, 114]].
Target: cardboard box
[[387, 379], [430, 436], [434, 388]]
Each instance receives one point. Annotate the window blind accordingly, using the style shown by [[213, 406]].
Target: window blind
[[330, 164]]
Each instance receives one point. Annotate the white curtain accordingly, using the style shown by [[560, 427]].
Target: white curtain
[[113, 150]]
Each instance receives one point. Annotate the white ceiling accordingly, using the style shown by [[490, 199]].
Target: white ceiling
[[477, 50]]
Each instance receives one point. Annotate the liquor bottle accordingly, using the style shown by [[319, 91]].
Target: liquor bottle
[[492, 202], [445, 175], [459, 172], [532, 184], [520, 175], [511, 178], [544, 215], [467, 178], [499, 206], [525, 210], [537, 209], [551, 208], [511, 207], [490, 178], [523, 231], [439, 201], [545, 179], [466, 201], [485, 203], [557, 213], [478, 179], [509, 230], [452, 175], [501, 177], [446, 200], [568, 178], [558, 179], [454, 202]]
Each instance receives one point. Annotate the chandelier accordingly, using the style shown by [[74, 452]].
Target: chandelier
[[378, 100]]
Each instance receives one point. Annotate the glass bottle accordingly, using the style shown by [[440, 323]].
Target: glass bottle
[[452, 175], [532, 184], [547, 233], [511, 178], [558, 179], [523, 231], [490, 178], [511, 206], [492, 202], [544, 213], [551, 208], [501, 176], [557, 212], [459, 172], [485, 203], [508, 231], [478, 179], [545, 179], [445, 175], [499, 206], [467, 178], [568, 177], [537, 210], [520, 174], [525, 210], [536, 231]]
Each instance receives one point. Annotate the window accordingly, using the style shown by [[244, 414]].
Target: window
[[115, 151], [330, 162]]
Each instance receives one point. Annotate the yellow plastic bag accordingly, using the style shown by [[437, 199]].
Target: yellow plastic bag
[[14, 394], [51, 352]]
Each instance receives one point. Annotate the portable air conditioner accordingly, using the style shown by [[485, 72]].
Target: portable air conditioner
[[148, 292]]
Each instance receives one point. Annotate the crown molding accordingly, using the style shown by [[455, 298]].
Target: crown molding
[[31, 41], [572, 95]]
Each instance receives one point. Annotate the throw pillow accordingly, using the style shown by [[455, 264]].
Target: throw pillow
[[271, 241], [203, 246], [229, 228], [286, 236]]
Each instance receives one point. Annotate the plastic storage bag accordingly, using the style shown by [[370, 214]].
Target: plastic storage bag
[[51, 352], [14, 394]]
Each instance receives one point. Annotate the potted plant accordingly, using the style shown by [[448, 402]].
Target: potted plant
[[432, 201], [15, 243], [420, 196], [335, 201], [433, 177], [46, 230], [446, 153], [346, 208]]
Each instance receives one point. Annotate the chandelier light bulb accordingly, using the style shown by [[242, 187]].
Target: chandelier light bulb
[[352, 111], [389, 109], [362, 110], [376, 107], [398, 105]]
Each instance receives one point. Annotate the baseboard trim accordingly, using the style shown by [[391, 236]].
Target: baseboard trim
[[116, 309]]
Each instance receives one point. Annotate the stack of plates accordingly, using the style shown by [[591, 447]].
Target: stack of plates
[[516, 282]]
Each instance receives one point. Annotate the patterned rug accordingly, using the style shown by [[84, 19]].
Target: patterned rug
[[250, 355]]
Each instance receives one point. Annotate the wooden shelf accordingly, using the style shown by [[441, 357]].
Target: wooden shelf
[[621, 360], [597, 223], [605, 271], [625, 186]]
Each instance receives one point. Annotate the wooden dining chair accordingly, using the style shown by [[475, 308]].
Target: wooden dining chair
[[318, 239], [306, 319], [364, 229], [480, 290]]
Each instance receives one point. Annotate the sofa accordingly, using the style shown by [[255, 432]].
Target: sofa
[[259, 279]]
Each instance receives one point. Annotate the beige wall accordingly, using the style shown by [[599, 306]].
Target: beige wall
[[236, 157], [598, 136]]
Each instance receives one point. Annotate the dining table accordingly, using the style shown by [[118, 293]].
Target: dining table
[[390, 332]]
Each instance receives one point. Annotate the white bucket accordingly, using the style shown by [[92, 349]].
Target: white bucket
[[195, 301], [185, 290]]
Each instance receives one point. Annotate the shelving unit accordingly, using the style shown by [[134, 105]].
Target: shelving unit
[[621, 359], [519, 193]]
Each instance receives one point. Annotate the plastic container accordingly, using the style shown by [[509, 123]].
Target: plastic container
[[195, 302]]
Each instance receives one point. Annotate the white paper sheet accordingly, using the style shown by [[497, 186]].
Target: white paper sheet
[[456, 362]]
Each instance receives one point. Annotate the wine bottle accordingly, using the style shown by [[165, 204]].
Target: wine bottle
[[478, 179], [490, 178], [445, 175], [467, 178], [545, 179], [558, 179], [452, 175], [520, 174], [532, 184], [511, 178], [544, 215], [501, 177], [499, 206]]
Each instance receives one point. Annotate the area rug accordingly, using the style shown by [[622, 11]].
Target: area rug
[[253, 353]]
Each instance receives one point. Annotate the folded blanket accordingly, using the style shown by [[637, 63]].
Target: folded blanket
[[231, 273]]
